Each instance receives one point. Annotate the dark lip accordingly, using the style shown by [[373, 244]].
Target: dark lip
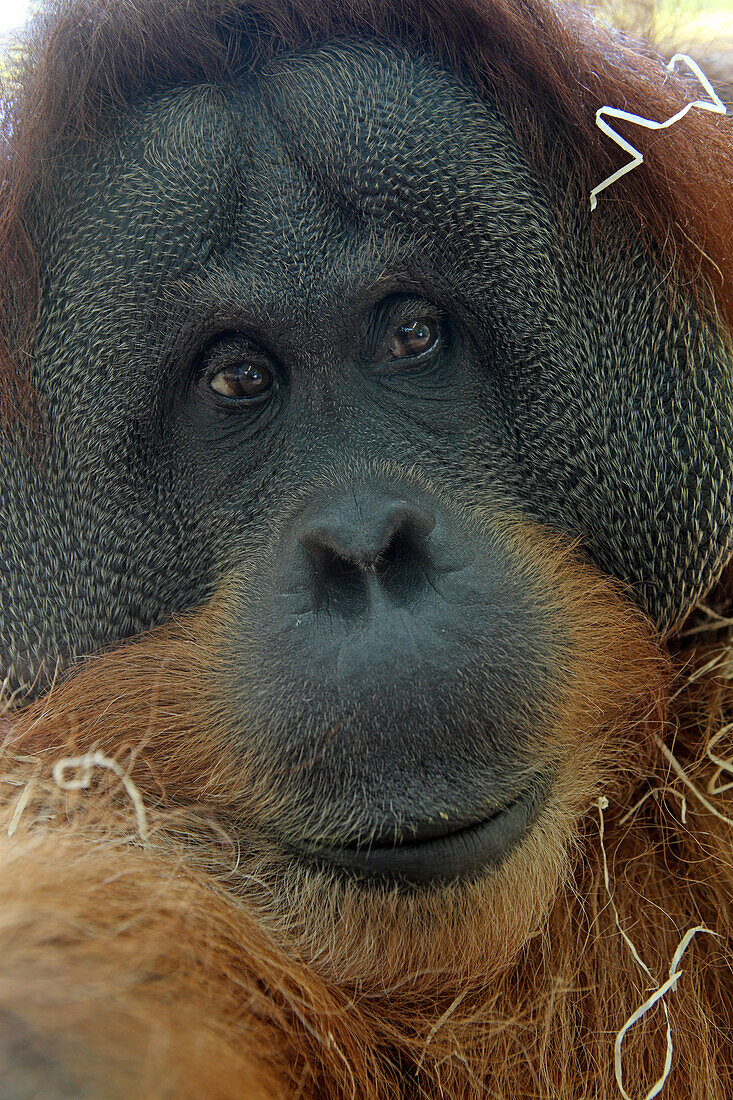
[[441, 858]]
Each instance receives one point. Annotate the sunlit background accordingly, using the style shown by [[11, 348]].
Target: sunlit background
[[13, 13]]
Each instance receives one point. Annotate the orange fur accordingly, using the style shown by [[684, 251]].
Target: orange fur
[[187, 958], [198, 963]]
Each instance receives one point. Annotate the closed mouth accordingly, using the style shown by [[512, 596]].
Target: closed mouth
[[442, 858]]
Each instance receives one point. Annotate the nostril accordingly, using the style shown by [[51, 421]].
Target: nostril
[[338, 584], [368, 537], [343, 586], [365, 542], [322, 545], [414, 521], [402, 568]]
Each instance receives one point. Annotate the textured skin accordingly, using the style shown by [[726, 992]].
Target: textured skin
[[570, 392]]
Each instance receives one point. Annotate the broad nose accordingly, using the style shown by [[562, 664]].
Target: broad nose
[[367, 539]]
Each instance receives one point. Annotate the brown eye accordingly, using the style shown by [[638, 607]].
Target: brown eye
[[414, 338], [243, 380]]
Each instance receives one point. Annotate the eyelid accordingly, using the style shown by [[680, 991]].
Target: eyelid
[[412, 310], [221, 352], [233, 343], [399, 312]]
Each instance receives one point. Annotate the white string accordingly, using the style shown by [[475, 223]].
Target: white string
[[714, 104], [669, 986], [658, 994], [85, 764]]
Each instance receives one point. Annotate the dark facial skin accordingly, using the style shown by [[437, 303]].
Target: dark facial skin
[[312, 334]]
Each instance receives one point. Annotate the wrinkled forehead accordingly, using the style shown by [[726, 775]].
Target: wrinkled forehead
[[319, 177], [347, 139], [375, 134]]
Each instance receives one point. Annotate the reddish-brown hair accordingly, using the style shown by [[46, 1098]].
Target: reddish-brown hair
[[156, 957], [549, 66], [159, 964]]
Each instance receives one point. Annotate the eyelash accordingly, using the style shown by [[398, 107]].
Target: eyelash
[[380, 333]]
